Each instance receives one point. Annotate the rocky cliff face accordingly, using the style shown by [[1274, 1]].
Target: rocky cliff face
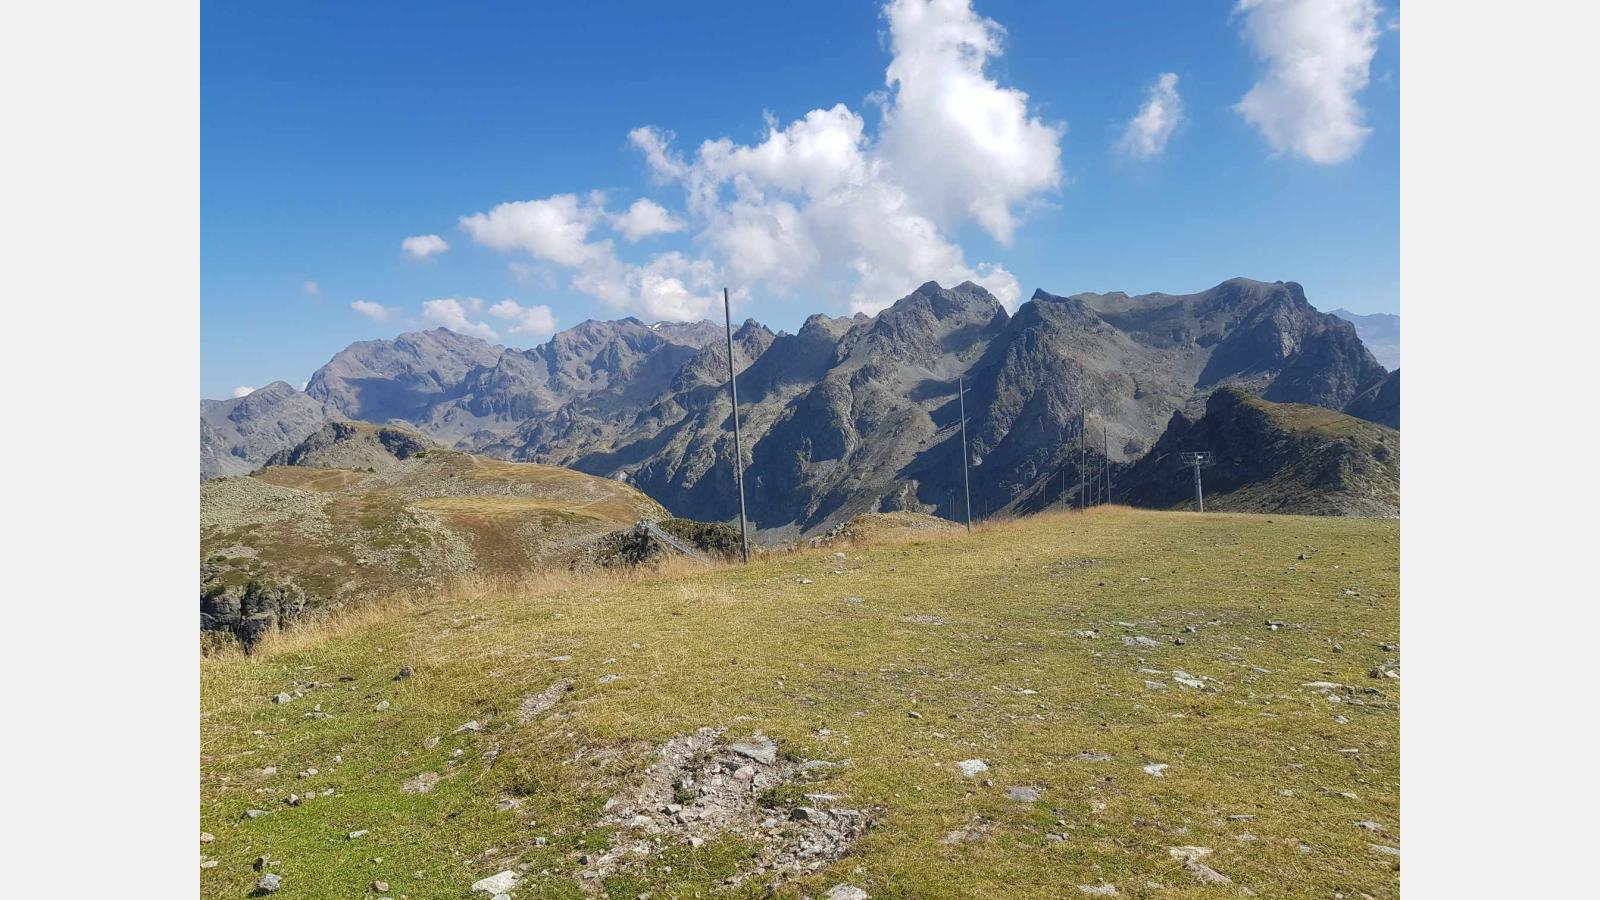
[[860, 414], [1380, 402]]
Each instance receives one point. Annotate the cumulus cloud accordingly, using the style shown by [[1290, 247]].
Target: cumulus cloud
[[820, 206], [1317, 56], [555, 229], [243, 391], [1148, 132], [528, 321], [377, 312], [957, 141], [646, 218], [453, 314], [422, 246]]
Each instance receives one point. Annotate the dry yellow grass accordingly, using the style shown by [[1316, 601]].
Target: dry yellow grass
[[980, 636]]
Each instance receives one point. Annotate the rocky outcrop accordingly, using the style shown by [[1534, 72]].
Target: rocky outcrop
[[1270, 457], [353, 445]]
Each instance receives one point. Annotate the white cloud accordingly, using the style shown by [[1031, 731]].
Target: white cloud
[[1318, 54], [820, 206], [1148, 132], [528, 321], [377, 312], [555, 229], [302, 386], [243, 391], [962, 145], [312, 289], [422, 246], [452, 314], [646, 218]]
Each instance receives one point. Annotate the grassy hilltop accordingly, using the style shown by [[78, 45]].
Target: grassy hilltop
[[1144, 728]]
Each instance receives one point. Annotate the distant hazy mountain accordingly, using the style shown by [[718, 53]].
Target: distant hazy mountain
[[238, 435], [858, 414], [1379, 331]]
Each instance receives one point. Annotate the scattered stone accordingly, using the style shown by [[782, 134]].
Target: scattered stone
[[1087, 633], [972, 767], [1154, 685], [1369, 826], [914, 714], [206, 837], [1338, 647], [292, 799], [1178, 642], [269, 883], [379, 887], [404, 673], [1155, 769], [1092, 756], [803, 581], [855, 599], [498, 883], [382, 705], [420, 784], [1384, 849], [430, 743], [1189, 858], [474, 725], [758, 747], [607, 679], [1387, 648], [1139, 640], [1187, 680], [559, 659], [1274, 625], [1099, 890], [207, 863], [1023, 793], [269, 771], [357, 835], [282, 698], [845, 892], [254, 813], [507, 804]]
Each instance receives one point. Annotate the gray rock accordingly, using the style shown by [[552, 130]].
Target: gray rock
[[282, 698], [405, 672], [269, 883], [758, 747], [845, 892], [1023, 793], [498, 883], [972, 767]]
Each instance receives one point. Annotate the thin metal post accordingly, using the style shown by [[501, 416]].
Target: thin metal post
[[1199, 492], [738, 451], [966, 482], [1105, 437], [1083, 465]]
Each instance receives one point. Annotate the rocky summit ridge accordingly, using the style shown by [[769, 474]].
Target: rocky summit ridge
[[850, 415]]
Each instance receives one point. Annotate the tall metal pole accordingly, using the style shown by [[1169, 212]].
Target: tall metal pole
[[1199, 494], [1105, 437], [738, 451], [1083, 464], [966, 483]]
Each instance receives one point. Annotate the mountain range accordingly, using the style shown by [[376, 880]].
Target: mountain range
[[849, 415]]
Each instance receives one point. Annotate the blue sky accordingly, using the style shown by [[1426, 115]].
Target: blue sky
[[332, 132]]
